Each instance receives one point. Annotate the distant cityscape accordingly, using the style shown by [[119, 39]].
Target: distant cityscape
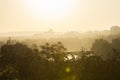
[[51, 34]]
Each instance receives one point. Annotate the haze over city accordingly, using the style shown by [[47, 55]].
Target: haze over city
[[59, 39]]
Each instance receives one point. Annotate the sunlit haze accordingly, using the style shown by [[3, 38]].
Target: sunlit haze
[[59, 15]]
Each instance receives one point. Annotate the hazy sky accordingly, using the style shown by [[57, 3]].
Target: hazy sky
[[59, 15]]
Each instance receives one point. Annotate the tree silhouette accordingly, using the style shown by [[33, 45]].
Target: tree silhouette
[[102, 48], [48, 62], [53, 51]]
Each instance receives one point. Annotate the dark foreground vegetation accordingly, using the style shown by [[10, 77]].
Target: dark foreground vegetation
[[53, 62]]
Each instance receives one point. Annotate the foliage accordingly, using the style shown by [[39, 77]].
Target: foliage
[[53, 62]]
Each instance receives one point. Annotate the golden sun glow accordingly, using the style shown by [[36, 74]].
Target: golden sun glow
[[51, 9]]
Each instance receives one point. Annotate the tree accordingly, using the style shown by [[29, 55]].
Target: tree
[[102, 48], [18, 55], [53, 52]]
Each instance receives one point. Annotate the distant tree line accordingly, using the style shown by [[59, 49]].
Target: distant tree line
[[52, 62]]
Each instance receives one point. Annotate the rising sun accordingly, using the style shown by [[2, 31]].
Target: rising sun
[[50, 9]]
